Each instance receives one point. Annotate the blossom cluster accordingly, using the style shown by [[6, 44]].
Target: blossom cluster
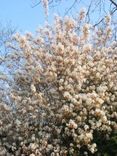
[[63, 90]]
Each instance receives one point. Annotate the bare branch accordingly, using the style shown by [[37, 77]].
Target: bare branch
[[114, 3], [36, 4], [70, 7]]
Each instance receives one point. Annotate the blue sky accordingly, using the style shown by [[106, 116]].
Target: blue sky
[[22, 15], [25, 18]]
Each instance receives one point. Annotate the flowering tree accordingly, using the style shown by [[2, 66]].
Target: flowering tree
[[96, 10], [62, 90]]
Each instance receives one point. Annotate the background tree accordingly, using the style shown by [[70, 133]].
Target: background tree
[[6, 33]]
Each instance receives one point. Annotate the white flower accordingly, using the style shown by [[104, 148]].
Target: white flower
[[33, 146], [108, 19], [60, 46], [98, 124], [65, 108], [89, 135], [72, 124], [33, 89], [87, 48], [17, 122], [32, 154], [61, 88], [93, 148], [104, 119], [100, 101], [82, 14], [67, 95], [86, 127]]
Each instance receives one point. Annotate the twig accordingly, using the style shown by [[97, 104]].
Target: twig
[[70, 7], [114, 3]]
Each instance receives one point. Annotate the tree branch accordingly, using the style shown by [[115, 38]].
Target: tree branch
[[114, 3]]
